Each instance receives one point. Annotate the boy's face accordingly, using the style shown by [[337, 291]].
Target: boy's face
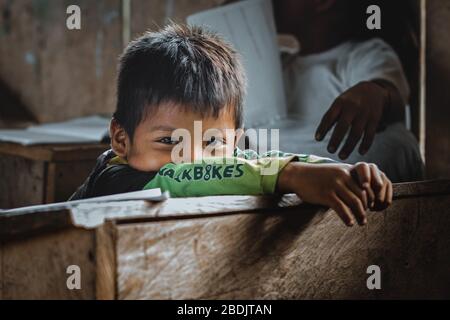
[[153, 142]]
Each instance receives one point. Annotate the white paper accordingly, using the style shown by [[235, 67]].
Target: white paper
[[250, 27], [81, 130], [149, 195]]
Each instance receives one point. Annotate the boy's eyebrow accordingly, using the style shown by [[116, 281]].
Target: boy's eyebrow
[[162, 128]]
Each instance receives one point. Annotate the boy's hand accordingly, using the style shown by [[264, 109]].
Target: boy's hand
[[348, 190], [377, 186]]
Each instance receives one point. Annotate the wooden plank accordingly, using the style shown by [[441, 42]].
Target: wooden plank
[[437, 150], [58, 152], [105, 260], [278, 252], [35, 268], [43, 174], [68, 176], [1, 270], [61, 73], [421, 188], [16, 227], [20, 65], [21, 183], [290, 256], [50, 181], [94, 215]]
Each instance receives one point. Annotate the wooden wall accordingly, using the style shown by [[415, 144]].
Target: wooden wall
[[437, 151], [60, 73]]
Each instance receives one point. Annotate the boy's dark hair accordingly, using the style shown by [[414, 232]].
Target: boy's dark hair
[[186, 65]]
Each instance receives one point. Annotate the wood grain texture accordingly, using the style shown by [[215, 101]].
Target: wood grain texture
[[93, 215], [67, 177], [437, 151], [22, 182], [43, 174], [283, 250], [61, 73], [35, 268], [105, 260], [299, 254], [23, 226], [54, 152]]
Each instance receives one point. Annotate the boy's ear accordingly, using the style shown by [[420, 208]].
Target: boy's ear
[[119, 139]]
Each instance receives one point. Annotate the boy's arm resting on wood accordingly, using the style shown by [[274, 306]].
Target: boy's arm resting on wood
[[232, 176], [349, 189], [240, 175]]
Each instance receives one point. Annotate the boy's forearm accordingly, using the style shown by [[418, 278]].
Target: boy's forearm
[[235, 177], [232, 176]]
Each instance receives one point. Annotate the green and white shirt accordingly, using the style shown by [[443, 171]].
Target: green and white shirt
[[246, 173]]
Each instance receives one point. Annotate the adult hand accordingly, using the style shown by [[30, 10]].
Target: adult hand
[[358, 110]]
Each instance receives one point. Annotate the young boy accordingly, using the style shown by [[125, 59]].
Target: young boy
[[170, 79]]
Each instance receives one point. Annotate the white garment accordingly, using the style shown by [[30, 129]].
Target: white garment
[[314, 81]]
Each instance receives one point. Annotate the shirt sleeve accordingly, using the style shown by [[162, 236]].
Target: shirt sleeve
[[120, 178], [230, 176], [375, 59], [245, 174], [306, 158]]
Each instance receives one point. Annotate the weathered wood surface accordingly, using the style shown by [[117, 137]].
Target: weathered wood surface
[[299, 254], [43, 173], [35, 268], [90, 216], [54, 152], [59, 73], [21, 182], [225, 247], [437, 153]]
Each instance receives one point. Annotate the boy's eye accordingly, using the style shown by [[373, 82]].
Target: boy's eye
[[168, 140], [215, 142]]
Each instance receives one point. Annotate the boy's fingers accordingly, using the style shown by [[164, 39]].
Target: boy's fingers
[[354, 203], [376, 180], [387, 201], [328, 120], [380, 203], [354, 137], [389, 193], [339, 132], [359, 192], [361, 172], [342, 211]]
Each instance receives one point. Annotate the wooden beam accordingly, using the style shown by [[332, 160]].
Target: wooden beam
[[298, 254]]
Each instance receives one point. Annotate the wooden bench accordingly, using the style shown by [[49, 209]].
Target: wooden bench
[[230, 247], [45, 173]]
